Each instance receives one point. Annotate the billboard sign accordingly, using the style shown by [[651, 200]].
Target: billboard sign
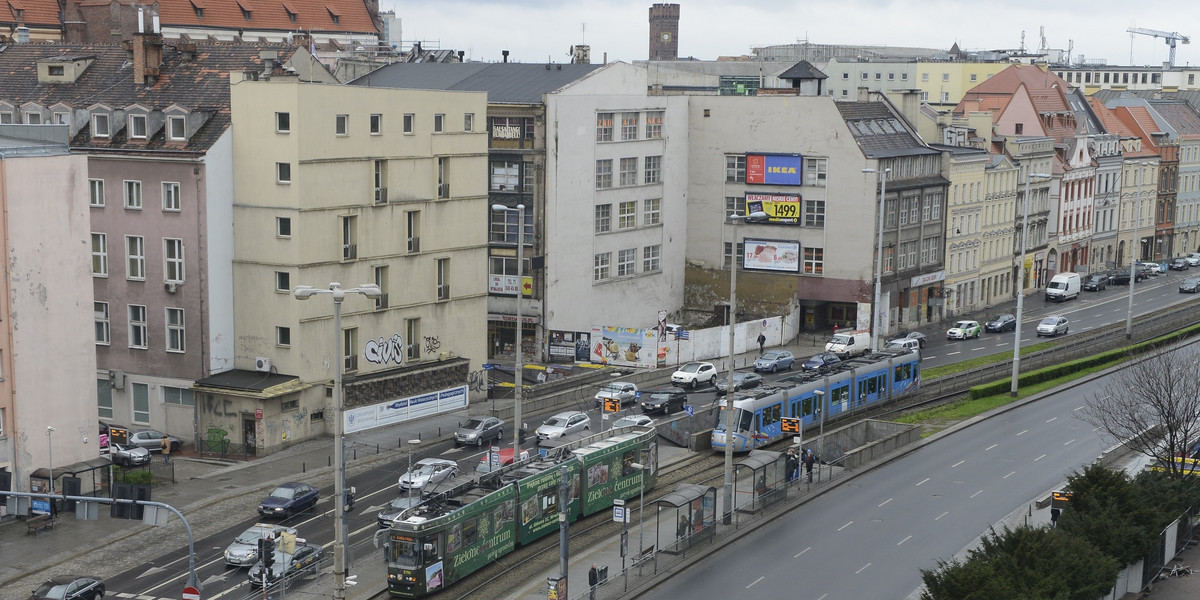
[[774, 169], [771, 255], [625, 346], [779, 208]]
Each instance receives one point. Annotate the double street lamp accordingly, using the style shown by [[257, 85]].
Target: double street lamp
[[518, 364], [877, 313], [1137, 254], [341, 521], [1020, 285]]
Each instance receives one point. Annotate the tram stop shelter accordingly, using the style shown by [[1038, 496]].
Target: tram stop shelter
[[689, 514], [759, 481]]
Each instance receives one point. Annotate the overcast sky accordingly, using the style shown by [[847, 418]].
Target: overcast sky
[[541, 31]]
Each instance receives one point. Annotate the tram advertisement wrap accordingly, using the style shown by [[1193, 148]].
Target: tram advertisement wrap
[[539, 501], [609, 474]]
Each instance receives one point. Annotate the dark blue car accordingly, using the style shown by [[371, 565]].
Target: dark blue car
[[288, 499]]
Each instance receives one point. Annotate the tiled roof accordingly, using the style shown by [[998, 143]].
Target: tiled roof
[[199, 85], [518, 83], [1179, 114], [803, 70], [286, 15], [33, 13], [879, 132], [1114, 124], [1046, 90]]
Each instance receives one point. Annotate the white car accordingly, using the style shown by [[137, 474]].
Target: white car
[[624, 391], [243, 552], [1193, 259], [694, 373], [633, 420], [562, 424], [428, 471], [963, 330]]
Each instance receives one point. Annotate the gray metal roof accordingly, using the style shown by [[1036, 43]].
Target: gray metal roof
[[517, 83], [880, 133]]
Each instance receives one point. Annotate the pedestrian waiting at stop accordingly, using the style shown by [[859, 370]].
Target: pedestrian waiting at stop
[[593, 580], [793, 465]]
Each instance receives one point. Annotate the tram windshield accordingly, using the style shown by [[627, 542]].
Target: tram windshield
[[406, 553], [742, 420]]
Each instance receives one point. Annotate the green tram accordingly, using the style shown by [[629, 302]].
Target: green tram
[[459, 531]]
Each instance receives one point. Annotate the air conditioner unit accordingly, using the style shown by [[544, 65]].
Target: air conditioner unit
[[116, 379], [262, 364], [171, 287]]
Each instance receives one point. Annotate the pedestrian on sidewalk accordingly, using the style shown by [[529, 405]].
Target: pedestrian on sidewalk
[[835, 328], [593, 579], [808, 464], [762, 340], [166, 449], [793, 465], [682, 530]]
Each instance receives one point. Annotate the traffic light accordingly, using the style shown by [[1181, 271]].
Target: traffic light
[[266, 550]]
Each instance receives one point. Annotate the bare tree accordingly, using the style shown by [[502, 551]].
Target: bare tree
[[1153, 406]]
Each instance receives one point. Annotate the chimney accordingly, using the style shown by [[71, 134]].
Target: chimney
[[23, 36], [504, 53], [147, 51], [460, 55]]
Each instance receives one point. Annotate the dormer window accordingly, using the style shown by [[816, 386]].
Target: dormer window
[[100, 126], [6, 118], [33, 118], [176, 129], [56, 70], [137, 127], [247, 9], [198, 6], [334, 15]]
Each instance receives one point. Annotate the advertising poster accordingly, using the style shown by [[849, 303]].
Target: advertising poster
[[774, 169], [625, 346], [433, 576], [771, 255], [405, 409], [561, 347], [779, 209], [583, 348]]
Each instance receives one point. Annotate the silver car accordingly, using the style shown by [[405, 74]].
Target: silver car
[[428, 471], [128, 456], [477, 430], [1052, 326], [151, 440], [243, 552], [562, 424], [397, 506]]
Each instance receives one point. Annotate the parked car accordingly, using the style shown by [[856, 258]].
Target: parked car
[[428, 471], [1193, 259], [1179, 264], [914, 335], [1001, 323], [848, 344], [963, 330], [289, 499], [128, 456], [632, 421], [287, 566], [478, 430], [1121, 277], [151, 439], [70, 587], [1152, 268], [694, 373], [562, 424], [406, 501], [665, 401], [741, 381], [1189, 285], [243, 552], [1052, 326], [774, 360], [497, 458], [821, 362], [1095, 282], [903, 344], [624, 391]]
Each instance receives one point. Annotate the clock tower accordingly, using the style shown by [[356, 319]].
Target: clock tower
[[664, 32]]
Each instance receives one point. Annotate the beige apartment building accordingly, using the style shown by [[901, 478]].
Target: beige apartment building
[[353, 185], [966, 245]]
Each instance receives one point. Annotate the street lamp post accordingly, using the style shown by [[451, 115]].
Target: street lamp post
[[50, 457], [819, 395], [518, 381], [733, 267], [1020, 285], [875, 318], [1137, 243], [641, 501], [341, 521], [412, 443]]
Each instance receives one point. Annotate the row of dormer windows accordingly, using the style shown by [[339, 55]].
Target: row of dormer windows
[[140, 126]]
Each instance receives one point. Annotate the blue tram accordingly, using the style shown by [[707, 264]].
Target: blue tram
[[873, 379]]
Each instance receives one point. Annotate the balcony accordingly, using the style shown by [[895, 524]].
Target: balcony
[[349, 251], [443, 190], [351, 362], [414, 244], [443, 292], [381, 302], [381, 196]]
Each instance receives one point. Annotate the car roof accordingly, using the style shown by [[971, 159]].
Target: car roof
[[435, 461], [568, 413], [290, 484]]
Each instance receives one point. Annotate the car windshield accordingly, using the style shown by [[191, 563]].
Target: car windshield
[[999, 317], [1050, 321], [611, 389], [474, 424], [839, 339], [660, 397], [250, 536], [962, 324], [556, 421], [770, 355], [51, 590], [626, 422], [285, 493], [405, 553], [423, 470], [690, 368]]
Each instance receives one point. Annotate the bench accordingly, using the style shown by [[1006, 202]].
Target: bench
[[38, 523], [647, 554]]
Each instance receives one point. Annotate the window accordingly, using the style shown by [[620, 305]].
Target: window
[[283, 226], [652, 211], [381, 281], [100, 126], [604, 127], [349, 238], [103, 333], [735, 168], [137, 326], [729, 255], [135, 257], [137, 127], [170, 196], [469, 122], [629, 126], [626, 262], [604, 174], [914, 209], [178, 396], [62, 118], [350, 348], [506, 176], [814, 213], [6, 118], [283, 122], [283, 281], [924, 76], [945, 96], [934, 247], [889, 259], [627, 215], [283, 172], [376, 124], [815, 171], [890, 212], [653, 169], [654, 122], [651, 255], [628, 171], [409, 120], [176, 129], [283, 336], [133, 195], [814, 261], [380, 181], [945, 77], [601, 263], [1019, 128], [443, 189], [104, 398], [175, 330], [96, 192], [603, 220], [735, 204], [141, 403], [412, 226], [100, 254], [974, 77], [341, 125], [412, 328], [173, 260], [443, 279], [439, 123]]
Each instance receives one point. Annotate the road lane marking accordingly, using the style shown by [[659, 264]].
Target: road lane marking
[[977, 493], [884, 502], [1069, 442], [957, 463], [802, 552], [980, 348], [923, 481], [845, 526], [953, 353], [990, 447], [906, 538], [1039, 458], [755, 581], [1051, 419], [1078, 408], [1023, 432], [939, 517], [1009, 475], [863, 568]]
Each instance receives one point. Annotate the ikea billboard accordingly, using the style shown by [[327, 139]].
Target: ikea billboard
[[774, 169]]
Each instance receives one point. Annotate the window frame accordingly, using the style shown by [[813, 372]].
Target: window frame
[[376, 124], [176, 332], [170, 196], [282, 170], [134, 133], [652, 258], [96, 193], [102, 317], [652, 211], [628, 171], [133, 194], [604, 174], [604, 126], [176, 122], [408, 121], [280, 223], [469, 122], [99, 131], [629, 130], [281, 333], [174, 267], [654, 123], [439, 123], [138, 328], [341, 125], [601, 266], [652, 169], [814, 261], [99, 255], [283, 122], [627, 262], [284, 278], [602, 218], [627, 215], [735, 168], [135, 263]]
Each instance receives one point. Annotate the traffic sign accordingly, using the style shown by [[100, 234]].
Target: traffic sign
[[191, 593], [790, 425], [687, 408], [488, 366]]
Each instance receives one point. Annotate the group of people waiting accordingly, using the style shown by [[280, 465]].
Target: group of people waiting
[[793, 464]]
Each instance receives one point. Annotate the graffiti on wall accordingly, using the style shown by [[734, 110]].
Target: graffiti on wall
[[432, 344], [382, 351], [477, 381]]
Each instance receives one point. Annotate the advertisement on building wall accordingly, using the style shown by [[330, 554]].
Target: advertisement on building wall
[[774, 169], [405, 409], [624, 346], [779, 208], [507, 284], [771, 255], [568, 346]]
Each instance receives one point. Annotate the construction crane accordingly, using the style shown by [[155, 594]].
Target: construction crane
[[1170, 38]]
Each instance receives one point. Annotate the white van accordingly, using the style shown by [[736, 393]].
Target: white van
[[849, 344], [1064, 286], [904, 344]]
